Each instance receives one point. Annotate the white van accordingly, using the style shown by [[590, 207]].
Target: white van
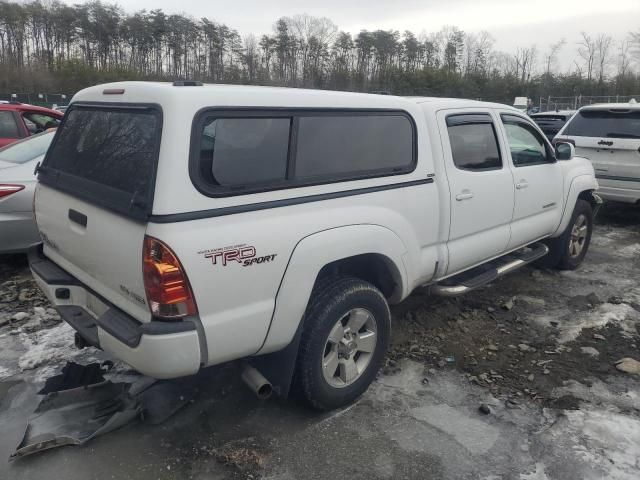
[[521, 104], [609, 136], [188, 225]]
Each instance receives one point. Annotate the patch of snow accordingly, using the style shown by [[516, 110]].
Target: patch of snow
[[533, 301], [592, 352], [607, 440], [475, 435], [5, 373], [539, 474], [601, 241], [625, 396], [47, 347], [622, 315], [617, 234], [632, 296], [629, 251]]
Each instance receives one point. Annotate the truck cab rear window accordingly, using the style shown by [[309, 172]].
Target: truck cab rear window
[[107, 155], [239, 153]]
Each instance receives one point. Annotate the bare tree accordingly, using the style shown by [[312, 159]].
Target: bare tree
[[634, 39], [313, 36], [587, 51], [551, 56], [603, 49], [525, 59], [624, 57]]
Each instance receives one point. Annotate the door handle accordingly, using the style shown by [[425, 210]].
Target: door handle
[[77, 217], [466, 195], [522, 184]]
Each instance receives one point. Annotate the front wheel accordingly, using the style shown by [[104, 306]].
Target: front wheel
[[568, 250], [346, 334]]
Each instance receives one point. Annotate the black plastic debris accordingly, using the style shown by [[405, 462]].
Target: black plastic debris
[[74, 411], [164, 398], [72, 417], [75, 375]]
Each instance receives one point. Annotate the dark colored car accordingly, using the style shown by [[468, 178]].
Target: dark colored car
[[551, 122], [20, 120]]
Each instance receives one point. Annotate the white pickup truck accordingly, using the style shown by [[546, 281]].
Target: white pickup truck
[[187, 225]]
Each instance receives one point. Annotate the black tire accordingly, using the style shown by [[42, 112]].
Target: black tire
[[332, 302], [560, 255]]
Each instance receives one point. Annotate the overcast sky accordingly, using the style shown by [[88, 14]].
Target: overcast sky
[[512, 23]]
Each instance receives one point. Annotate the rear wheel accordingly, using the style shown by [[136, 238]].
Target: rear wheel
[[345, 337], [568, 250]]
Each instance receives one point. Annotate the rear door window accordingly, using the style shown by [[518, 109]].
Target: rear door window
[[474, 145], [605, 124], [8, 125], [107, 155]]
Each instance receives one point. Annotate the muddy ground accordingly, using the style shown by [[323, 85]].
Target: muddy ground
[[537, 349], [529, 333]]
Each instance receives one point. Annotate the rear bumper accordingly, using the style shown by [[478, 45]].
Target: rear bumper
[[157, 349], [626, 191]]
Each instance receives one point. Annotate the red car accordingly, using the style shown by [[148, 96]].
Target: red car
[[19, 120]]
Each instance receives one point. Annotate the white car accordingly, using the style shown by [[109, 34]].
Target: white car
[[17, 184], [609, 136], [188, 225]]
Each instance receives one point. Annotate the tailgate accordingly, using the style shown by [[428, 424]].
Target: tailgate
[[611, 157], [95, 193], [98, 247], [610, 138]]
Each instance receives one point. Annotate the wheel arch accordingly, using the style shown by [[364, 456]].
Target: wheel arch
[[371, 252], [582, 187]]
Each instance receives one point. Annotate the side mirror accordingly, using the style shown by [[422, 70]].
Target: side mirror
[[565, 151]]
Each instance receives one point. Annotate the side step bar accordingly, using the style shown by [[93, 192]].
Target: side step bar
[[483, 274]]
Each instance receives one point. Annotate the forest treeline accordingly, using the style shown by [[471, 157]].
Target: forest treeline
[[55, 47]]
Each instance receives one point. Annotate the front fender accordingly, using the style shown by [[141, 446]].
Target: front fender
[[310, 255], [579, 184]]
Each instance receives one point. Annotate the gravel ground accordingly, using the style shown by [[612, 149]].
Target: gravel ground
[[516, 380]]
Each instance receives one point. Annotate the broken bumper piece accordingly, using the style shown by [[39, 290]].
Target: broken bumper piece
[[73, 415]]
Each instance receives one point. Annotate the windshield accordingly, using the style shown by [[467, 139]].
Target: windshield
[[605, 124], [26, 150]]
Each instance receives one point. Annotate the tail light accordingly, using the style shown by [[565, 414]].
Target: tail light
[[6, 190], [167, 286]]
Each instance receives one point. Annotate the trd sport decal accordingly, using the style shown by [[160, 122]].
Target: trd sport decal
[[243, 254]]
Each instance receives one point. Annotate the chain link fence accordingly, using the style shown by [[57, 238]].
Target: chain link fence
[[573, 103], [41, 99]]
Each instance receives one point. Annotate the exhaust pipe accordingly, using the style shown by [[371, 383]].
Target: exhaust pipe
[[256, 382]]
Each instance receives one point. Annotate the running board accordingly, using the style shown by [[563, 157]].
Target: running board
[[488, 272]]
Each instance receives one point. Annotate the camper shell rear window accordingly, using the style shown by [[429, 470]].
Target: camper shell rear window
[[107, 154]]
